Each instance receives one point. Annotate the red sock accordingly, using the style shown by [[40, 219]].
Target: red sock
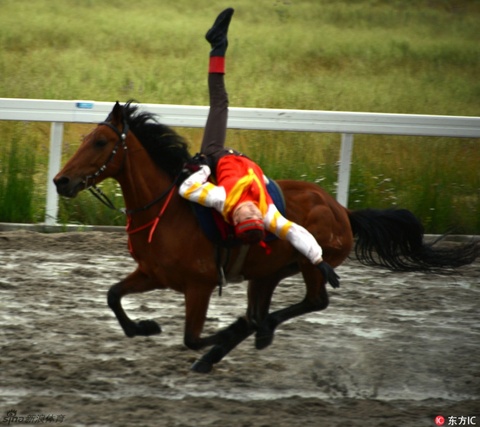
[[217, 65]]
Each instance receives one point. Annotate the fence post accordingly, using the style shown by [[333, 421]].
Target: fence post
[[344, 169], [56, 137]]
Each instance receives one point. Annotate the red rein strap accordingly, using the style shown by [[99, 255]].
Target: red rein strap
[[152, 223]]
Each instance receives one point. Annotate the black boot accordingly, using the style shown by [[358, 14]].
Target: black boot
[[217, 35]]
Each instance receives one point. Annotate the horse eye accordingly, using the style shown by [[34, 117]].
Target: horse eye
[[100, 143]]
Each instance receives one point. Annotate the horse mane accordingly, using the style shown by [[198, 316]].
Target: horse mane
[[167, 148]]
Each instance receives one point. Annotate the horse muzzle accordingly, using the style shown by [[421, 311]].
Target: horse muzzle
[[68, 187]]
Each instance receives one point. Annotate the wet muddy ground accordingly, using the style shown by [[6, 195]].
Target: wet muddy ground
[[391, 350]]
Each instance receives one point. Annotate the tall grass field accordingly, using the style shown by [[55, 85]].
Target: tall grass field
[[392, 56]]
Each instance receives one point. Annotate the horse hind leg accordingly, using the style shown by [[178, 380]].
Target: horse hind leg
[[316, 299], [227, 340], [259, 297], [136, 282]]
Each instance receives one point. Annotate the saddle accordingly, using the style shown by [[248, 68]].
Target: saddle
[[220, 232]]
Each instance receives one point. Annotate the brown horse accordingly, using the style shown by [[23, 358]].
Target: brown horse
[[172, 251]]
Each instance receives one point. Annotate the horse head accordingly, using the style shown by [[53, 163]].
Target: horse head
[[100, 155]]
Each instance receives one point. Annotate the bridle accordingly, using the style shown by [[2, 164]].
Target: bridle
[[89, 180], [100, 195], [122, 137]]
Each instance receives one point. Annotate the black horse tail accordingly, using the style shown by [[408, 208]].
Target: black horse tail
[[394, 238]]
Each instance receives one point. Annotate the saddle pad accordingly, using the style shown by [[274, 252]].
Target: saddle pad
[[220, 232]]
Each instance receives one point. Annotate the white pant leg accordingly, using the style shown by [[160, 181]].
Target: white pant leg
[[197, 189], [298, 236]]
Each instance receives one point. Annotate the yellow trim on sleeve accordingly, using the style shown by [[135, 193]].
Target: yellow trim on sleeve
[[207, 187], [284, 230], [191, 189]]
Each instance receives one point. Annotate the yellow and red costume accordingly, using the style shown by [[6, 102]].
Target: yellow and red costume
[[240, 193], [235, 188]]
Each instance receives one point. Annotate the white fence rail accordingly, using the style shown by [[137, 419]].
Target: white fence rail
[[347, 123]]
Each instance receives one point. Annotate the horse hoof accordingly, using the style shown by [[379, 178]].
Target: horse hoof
[[202, 367], [263, 341], [148, 327]]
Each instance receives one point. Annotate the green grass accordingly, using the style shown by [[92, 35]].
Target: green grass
[[414, 57], [17, 187]]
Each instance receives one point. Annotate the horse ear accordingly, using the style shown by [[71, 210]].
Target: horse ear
[[116, 116]]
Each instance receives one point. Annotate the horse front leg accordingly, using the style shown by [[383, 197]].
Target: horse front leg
[[137, 282]]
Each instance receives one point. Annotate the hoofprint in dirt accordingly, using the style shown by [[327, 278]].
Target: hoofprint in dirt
[[392, 349]]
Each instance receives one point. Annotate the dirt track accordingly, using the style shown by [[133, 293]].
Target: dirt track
[[391, 350]]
